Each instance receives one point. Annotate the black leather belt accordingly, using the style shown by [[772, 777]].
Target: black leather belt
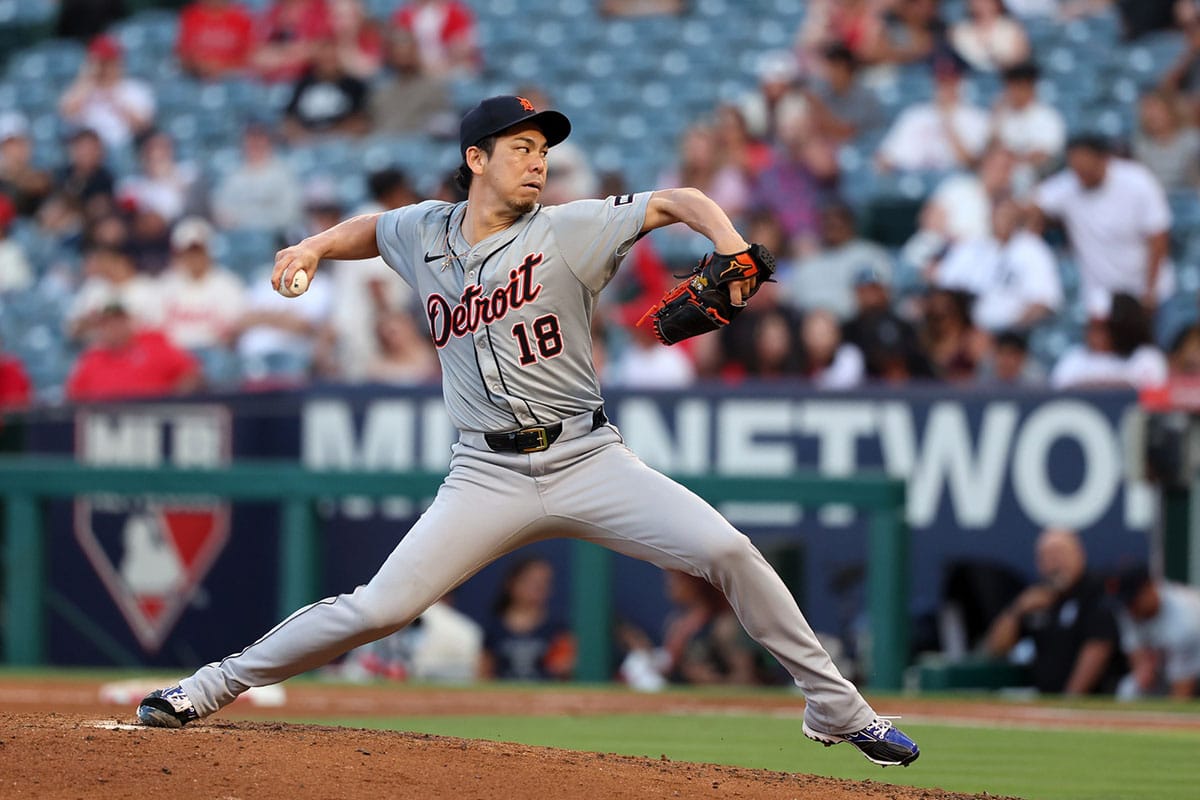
[[535, 439]]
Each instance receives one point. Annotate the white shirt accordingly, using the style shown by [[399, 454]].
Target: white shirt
[[990, 50], [1037, 128], [1109, 226], [826, 279], [199, 312], [313, 306], [845, 371], [1145, 367], [15, 273], [1175, 630], [99, 111], [918, 140], [140, 296], [652, 367], [1006, 277]]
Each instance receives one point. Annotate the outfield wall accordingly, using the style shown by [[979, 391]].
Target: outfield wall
[[985, 471]]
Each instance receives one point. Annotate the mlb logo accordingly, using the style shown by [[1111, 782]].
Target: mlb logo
[[152, 552]]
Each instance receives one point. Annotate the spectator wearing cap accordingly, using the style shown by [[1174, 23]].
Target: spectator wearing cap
[[216, 38], [1012, 274], [1031, 130], [110, 277], [446, 35], [887, 341], [1068, 618], [262, 193], [776, 98], [827, 278], [1165, 144], [26, 185], [408, 99], [327, 99], [937, 136], [1160, 626], [103, 98], [1117, 218], [201, 301], [842, 106], [126, 361], [15, 273], [1118, 348], [988, 39]]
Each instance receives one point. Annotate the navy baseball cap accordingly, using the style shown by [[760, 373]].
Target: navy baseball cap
[[503, 111]]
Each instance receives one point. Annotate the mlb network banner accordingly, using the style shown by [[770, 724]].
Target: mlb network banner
[[177, 580]]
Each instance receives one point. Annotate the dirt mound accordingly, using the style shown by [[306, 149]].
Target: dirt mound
[[53, 756]]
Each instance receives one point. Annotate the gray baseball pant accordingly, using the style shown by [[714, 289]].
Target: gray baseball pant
[[591, 486]]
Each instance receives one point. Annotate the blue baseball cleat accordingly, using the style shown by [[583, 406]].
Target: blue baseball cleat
[[881, 743], [167, 708]]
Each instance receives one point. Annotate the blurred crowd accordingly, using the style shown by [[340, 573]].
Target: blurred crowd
[[1032, 228]]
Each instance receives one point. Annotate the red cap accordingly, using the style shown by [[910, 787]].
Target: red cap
[[105, 48]]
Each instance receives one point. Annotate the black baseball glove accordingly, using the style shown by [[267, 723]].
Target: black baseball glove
[[701, 303]]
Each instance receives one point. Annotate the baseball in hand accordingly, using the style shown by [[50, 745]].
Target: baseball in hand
[[298, 285]]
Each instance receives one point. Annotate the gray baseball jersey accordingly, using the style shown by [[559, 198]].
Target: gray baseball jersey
[[511, 317]]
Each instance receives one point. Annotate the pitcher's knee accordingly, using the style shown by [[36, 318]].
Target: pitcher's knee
[[386, 614], [729, 553]]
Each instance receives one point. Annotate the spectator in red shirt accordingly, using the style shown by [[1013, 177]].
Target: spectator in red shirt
[[126, 362], [287, 32], [216, 37], [445, 34], [15, 386]]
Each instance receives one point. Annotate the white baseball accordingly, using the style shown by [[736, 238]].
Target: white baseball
[[298, 285]]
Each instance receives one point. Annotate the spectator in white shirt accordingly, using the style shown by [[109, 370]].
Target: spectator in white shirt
[[989, 39], [102, 98], [110, 278], [262, 193], [163, 186], [827, 279], [1119, 349], [1032, 131], [1118, 220], [1012, 273], [941, 135], [829, 362], [1160, 632], [202, 301], [959, 209]]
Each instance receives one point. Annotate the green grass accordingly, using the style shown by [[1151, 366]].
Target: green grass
[[1032, 764]]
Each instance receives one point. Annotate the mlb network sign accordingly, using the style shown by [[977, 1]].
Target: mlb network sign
[[1056, 460], [152, 552]]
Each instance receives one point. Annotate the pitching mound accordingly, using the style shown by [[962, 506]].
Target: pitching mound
[[55, 756]]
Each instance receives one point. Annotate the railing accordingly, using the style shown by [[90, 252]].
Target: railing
[[26, 482]]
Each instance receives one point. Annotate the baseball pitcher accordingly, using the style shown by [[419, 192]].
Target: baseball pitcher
[[508, 288]]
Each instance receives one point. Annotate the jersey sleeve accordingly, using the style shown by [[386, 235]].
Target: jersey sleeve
[[594, 235], [398, 236]]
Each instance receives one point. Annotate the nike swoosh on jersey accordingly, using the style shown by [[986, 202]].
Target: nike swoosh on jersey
[[429, 258]]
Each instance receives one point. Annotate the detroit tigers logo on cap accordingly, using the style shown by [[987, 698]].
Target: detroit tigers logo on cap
[[525, 104]]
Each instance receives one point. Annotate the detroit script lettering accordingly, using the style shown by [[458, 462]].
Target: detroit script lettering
[[474, 308]]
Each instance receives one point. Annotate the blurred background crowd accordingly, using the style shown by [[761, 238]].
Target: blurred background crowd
[[1003, 192]]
